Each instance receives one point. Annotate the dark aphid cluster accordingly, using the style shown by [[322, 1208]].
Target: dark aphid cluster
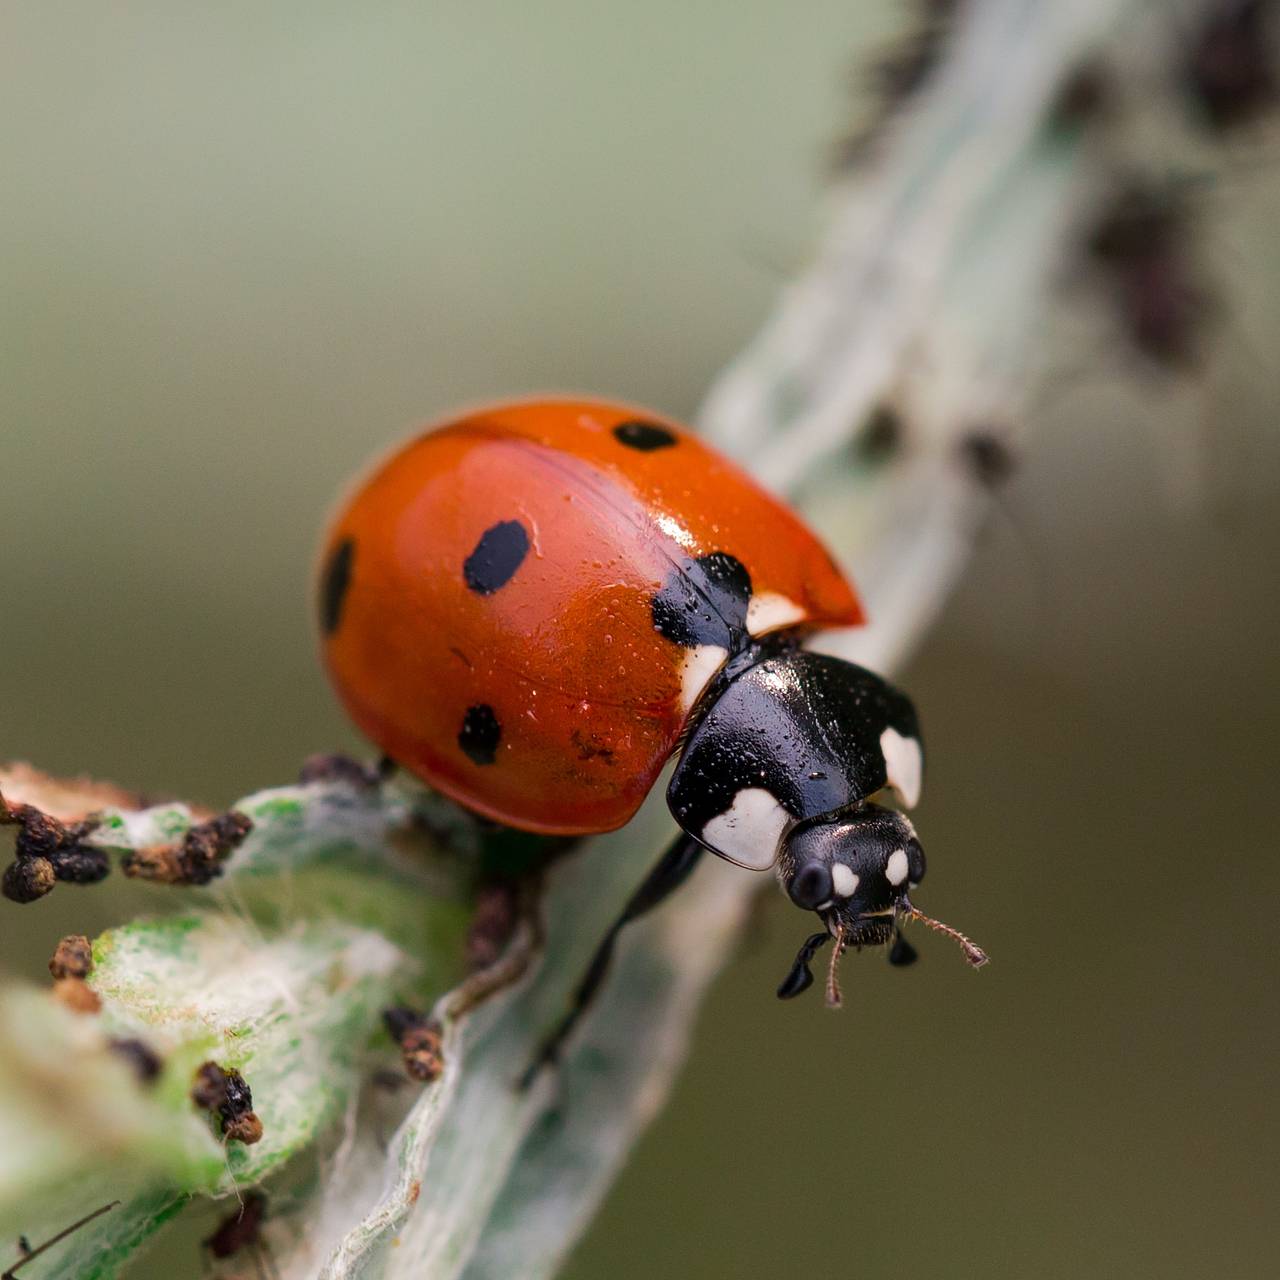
[[1226, 68], [197, 858], [227, 1093], [1143, 243], [70, 964], [420, 1042], [47, 851]]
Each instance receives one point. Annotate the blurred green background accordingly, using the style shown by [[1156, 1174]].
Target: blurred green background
[[245, 246]]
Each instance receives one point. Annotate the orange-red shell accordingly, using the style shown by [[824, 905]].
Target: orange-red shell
[[588, 697]]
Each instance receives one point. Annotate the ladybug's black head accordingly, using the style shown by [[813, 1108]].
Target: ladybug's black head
[[855, 870]]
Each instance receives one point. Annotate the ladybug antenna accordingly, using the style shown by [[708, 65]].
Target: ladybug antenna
[[835, 997], [973, 953]]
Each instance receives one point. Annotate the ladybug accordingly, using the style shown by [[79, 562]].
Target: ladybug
[[535, 606]]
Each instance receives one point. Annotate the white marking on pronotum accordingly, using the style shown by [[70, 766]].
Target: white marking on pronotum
[[895, 870], [843, 880], [699, 665], [769, 611], [903, 764], [749, 829]]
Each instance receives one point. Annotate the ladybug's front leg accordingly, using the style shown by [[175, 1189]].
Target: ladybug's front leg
[[671, 871]]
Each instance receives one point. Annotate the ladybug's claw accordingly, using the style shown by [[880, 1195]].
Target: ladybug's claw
[[902, 953], [800, 978]]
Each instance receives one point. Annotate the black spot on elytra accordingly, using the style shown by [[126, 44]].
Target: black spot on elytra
[[499, 553], [704, 601], [480, 733], [645, 436], [334, 584]]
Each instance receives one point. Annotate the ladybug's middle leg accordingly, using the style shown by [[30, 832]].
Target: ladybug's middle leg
[[671, 871]]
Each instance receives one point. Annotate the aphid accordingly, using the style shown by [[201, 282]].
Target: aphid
[[986, 455], [197, 858], [882, 435], [493, 921], [419, 1040], [1142, 242], [140, 1056], [27, 879], [72, 957], [1084, 96], [547, 574], [240, 1229], [227, 1093], [1229, 66]]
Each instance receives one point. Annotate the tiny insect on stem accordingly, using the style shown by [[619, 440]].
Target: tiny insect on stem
[[62, 1235]]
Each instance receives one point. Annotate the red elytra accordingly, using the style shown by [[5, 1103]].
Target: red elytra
[[487, 598]]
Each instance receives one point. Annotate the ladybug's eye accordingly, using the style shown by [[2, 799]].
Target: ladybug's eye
[[811, 886], [915, 862]]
